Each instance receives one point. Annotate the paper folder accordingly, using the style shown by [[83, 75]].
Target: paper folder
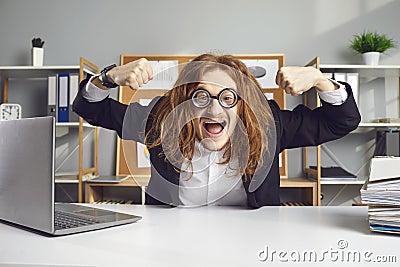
[[63, 102]]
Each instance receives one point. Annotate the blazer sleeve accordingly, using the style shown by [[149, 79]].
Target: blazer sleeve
[[129, 121], [305, 127]]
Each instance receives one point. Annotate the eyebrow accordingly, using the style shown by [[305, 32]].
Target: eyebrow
[[211, 83], [217, 84]]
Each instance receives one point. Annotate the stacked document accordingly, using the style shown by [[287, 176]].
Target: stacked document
[[384, 218], [382, 194], [385, 192]]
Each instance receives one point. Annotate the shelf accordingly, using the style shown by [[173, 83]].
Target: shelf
[[295, 204], [376, 91], [364, 70], [367, 126], [379, 124], [94, 191], [297, 182], [139, 180], [39, 71], [309, 189], [72, 180], [35, 72], [39, 68], [74, 124], [358, 67], [358, 181]]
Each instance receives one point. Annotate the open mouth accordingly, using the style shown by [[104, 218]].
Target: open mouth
[[213, 127]]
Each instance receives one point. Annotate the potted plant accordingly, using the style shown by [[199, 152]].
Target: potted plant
[[370, 45]]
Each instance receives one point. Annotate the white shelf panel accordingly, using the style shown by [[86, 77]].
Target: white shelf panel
[[72, 180], [359, 181], [38, 68], [35, 72], [69, 181], [379, 124], [338, 66], [364, 70], [73, 124]]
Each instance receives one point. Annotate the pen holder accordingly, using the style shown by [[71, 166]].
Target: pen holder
[[37, 56]]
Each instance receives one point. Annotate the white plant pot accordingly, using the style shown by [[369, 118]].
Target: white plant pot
[[37, 56], [371, 58]]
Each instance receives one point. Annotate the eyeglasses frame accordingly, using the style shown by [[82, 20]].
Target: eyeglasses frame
[[217, 97]]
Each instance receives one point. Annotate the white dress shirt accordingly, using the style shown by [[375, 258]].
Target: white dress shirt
[[206, 182]]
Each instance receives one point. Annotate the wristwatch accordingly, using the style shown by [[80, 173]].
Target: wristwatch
[[103, 77]]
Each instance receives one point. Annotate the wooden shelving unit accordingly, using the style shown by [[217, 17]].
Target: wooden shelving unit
[[95, 191], [309, 189], [377, 97], [8, 73], [83, 65]]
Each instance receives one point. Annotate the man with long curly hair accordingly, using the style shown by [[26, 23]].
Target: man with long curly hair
[[214, 139]]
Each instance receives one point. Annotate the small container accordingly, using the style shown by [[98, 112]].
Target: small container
[[37, 56]]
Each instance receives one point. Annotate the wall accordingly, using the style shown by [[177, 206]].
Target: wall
[[103, 30]]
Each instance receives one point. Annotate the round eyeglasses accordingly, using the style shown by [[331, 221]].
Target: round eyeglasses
[[227, 98]]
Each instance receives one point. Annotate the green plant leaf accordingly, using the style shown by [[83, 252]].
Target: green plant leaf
[[371, 42]]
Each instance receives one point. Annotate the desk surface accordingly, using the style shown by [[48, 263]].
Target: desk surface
[[211, 236]]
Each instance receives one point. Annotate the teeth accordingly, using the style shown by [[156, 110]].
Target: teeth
[[222, 123]]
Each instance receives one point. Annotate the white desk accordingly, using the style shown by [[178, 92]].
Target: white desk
[[210, 236]]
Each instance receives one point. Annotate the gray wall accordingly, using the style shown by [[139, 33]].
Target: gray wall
[[103, 30]]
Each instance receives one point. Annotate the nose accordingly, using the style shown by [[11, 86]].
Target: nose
[[215, 108]]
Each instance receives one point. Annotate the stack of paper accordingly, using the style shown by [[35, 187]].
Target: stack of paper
[[382, 194], [379, 195], [384, 218]]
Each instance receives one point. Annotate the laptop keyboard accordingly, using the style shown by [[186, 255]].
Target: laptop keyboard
[[64, 220]]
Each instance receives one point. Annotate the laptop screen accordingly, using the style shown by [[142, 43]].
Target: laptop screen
[[27, 172]]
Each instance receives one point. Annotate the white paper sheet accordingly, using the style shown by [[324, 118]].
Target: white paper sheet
[[271, 67], [269, 96], [143, 155]]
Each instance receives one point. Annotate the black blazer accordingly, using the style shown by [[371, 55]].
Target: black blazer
[[297, 128]]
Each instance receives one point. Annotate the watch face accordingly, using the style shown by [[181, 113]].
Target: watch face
[[10, 112]]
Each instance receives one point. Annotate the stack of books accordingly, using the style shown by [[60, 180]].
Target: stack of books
[[382, 195]]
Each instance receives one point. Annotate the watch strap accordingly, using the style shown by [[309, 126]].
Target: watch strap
[[104, 80]]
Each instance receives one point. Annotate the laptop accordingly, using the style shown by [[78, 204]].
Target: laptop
[[27, 160]]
